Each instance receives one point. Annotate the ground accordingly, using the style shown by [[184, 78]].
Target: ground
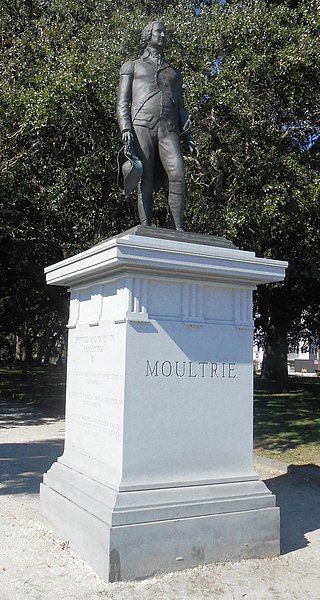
[[35, 565]]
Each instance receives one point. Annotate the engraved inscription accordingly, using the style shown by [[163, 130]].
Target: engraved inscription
[[183, 368], [94, 400], [94, 392], [94, 339], [93, 425], [95, 377], [94, 344]]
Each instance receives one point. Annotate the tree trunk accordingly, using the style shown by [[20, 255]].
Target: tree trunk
[[26, 355], [274, 367], [17, 356], [47, 357]]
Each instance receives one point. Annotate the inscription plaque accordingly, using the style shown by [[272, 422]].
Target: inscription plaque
[[94, 391]]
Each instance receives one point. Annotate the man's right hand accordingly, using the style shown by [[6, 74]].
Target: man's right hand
[[127, 140]]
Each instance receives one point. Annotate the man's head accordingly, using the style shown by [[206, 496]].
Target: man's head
[[154, 35]]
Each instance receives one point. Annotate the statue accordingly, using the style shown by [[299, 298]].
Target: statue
[[152, 118]]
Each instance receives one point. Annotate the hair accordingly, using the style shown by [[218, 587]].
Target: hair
[[146, 33]]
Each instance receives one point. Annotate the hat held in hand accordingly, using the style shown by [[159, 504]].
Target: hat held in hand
[[130, 171]]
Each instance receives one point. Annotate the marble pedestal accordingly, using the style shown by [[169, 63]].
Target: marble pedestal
[[157, 471]]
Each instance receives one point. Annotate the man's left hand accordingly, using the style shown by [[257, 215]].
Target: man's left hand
[[191, 146]]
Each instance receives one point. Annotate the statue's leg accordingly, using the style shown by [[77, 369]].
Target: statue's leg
[[176, 203], [172, 161], [145, 205], [145, 144]]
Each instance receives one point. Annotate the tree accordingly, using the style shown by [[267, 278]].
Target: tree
[[251, 77], [256, 110], [58, 191]]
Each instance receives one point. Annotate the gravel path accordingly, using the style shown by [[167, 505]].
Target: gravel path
[[35, 565]]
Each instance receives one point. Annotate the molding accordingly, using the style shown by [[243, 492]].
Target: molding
[[163, 257], [74, 310]]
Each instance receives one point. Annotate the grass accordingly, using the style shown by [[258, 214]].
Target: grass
[[287, 425]]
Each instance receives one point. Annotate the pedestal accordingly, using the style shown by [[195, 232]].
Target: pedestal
[[157, 471]]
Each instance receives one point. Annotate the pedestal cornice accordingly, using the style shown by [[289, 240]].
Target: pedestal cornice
[[165, 253]]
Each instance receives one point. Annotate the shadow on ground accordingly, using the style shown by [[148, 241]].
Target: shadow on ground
[[299, 501], [16, 414], [43, 387], [22, 465]]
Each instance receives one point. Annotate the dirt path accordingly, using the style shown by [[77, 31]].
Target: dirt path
[[35, 565]]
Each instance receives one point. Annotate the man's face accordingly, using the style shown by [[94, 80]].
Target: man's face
[[158, 36]]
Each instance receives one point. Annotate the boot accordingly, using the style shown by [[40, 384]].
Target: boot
[[176, 203], [144, 208]]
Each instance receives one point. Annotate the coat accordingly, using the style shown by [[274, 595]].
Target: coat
[[148, 93]]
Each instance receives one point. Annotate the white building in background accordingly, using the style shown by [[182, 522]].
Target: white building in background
[[303, 359], [257, 359]]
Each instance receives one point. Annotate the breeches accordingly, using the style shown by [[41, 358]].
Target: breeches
[[152, 145]]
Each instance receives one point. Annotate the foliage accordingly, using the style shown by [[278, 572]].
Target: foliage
[[58, 150], [259, 125], [251, 77]]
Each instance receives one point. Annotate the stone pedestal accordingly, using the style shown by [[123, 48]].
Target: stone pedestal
[[157, 472]]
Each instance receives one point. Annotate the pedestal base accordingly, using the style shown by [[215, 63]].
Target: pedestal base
[[133, 535]]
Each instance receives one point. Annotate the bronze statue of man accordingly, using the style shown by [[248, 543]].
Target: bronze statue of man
[[152, 118]]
